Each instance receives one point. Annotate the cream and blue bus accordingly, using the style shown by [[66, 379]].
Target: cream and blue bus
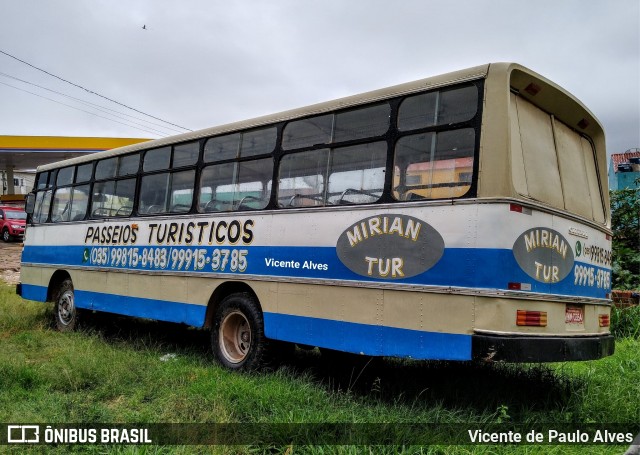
[[458, 217]]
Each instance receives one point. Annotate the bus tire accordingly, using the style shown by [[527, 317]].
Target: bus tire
[[237, 335], [65, 311]]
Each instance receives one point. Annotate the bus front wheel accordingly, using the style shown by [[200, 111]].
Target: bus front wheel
[[66, 313], [237, 336]]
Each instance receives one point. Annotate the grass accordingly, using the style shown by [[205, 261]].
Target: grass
[[116, 370], [625, 322]]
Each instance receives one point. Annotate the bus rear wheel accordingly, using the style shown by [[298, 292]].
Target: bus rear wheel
[[65, 311], [237, 336]]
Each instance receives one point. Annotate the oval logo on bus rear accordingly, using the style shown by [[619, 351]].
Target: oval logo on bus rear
[[544, 254], [390, 247]]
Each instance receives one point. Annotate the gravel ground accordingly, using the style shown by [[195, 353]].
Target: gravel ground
[[10, 262]]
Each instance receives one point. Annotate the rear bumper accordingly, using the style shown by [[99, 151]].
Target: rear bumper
[[540, 349]]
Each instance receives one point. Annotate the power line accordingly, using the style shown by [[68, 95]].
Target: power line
[[89, 91], [93, 105], [146, 129]]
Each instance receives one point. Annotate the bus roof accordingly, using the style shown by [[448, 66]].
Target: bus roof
[[469, 74]]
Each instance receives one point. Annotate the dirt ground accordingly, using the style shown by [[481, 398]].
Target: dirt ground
[[10, 262]]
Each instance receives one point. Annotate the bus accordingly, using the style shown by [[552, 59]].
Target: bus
[[459, 217]]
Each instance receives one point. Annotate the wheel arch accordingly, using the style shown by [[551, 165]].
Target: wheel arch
[[222, 291], [56, 280]]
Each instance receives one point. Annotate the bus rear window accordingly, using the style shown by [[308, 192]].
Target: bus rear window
[[552, 163]]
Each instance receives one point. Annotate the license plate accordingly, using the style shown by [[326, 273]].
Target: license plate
[[574, 315]]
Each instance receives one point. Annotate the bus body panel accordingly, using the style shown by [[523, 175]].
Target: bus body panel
[[310, 295], [468, 246]]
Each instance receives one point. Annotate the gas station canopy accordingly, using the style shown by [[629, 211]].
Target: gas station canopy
[[25, 153]]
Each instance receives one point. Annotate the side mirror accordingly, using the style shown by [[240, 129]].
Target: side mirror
[[30, 203]]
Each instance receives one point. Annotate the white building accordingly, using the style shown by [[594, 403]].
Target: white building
[[22, 182]]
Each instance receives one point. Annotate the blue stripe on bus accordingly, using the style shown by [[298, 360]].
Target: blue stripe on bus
[[32, 292], [367, 339], [161, 310], [339, 335], [459, 267]]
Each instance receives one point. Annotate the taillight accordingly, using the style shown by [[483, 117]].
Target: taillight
[[519, 286], [531, 318], [603, 320], [519, 208]]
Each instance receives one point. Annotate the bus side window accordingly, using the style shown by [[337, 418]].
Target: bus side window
[[83, 173], [113, 198], [258, 142], [42, 180], [210, 197], [235, 186], [41, 210], [445, 107], [251, 191], [308, 132], [301, 179], [61, 205], [434, 165], [79, 202], [185, 154], [367, 122], [70, 203], [65, 176], [222, 148], [156, 159], [356, 174], [169, 192]]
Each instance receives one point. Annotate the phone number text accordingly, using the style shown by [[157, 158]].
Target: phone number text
[[170, 258]]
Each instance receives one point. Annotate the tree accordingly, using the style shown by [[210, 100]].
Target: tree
[[625, 223]]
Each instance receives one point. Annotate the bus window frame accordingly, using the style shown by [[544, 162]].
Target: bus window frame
[[196, 166], [392, 135]]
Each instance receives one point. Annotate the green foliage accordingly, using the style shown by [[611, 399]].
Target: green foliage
[[625, 322], [625, 222]]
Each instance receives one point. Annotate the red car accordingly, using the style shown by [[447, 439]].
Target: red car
[[12, 222]]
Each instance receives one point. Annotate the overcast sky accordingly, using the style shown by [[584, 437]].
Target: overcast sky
[[201, 63]]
